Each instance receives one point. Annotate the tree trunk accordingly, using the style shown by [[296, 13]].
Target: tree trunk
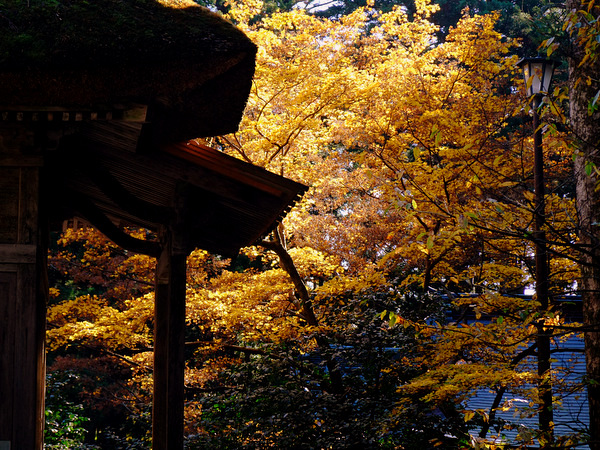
[[308, 314], [587, 137]]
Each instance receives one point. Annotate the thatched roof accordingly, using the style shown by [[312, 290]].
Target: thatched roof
[[125, 83], [190, 66]]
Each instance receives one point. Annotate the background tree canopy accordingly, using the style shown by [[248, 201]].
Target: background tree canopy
[[390, 296]]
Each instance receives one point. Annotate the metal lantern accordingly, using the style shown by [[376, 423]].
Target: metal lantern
[[537, 73]]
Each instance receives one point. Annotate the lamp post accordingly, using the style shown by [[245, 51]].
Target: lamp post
[[537, 73]]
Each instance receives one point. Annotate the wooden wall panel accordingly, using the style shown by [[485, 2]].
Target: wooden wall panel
[[23, 292], [22, 356], [9, 204], [8, 292]]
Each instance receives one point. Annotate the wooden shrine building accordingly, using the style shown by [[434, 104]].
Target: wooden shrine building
[[98, 104]]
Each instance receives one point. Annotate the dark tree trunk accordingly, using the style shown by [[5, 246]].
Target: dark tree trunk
[[308, 314], [586, 132]]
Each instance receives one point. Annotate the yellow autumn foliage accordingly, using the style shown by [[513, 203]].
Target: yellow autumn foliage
[[418, 183]]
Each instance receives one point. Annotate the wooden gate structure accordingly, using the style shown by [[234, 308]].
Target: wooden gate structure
[[96, 122]]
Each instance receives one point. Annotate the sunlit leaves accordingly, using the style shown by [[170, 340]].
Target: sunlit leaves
[[420, 184]]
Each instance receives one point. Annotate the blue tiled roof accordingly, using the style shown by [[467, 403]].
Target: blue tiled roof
[[571, 414]]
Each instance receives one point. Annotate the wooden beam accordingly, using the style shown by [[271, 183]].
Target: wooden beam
[[18, 253], [91, 213], [169, 346], [126, 113], [78, 157]]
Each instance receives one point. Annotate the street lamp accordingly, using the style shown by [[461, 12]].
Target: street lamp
[[537, 73], [538, 76]]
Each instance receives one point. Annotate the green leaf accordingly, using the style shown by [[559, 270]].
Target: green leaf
[[593, 105], [429, 243], [589, 168], [393, 320]]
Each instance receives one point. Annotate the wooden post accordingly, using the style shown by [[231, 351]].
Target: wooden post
[[169, 339], [23, 291]]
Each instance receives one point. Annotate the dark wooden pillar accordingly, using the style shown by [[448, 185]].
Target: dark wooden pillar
[[23, 290], [169, 337]]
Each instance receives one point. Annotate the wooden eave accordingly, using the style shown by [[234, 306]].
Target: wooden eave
[[227, 204]]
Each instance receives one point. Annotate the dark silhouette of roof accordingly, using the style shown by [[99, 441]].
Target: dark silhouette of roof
[[190, 67], [124, 85]]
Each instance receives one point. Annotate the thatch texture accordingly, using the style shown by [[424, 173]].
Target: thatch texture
[[191, 67]]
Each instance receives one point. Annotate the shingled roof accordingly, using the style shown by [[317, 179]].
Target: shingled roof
[[228, 204]]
